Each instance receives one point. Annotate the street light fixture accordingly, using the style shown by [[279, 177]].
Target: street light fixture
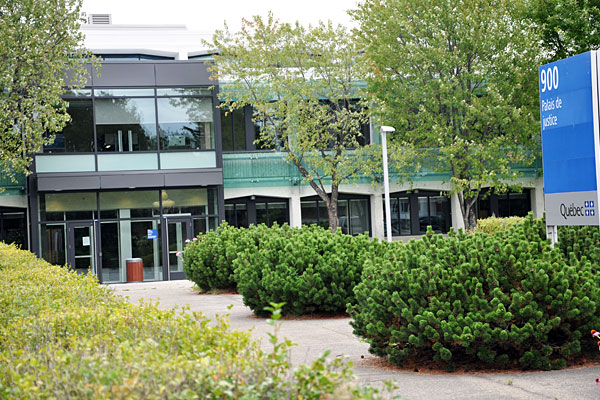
[[386, 181]]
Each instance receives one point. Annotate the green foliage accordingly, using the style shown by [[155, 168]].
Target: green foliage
[[502, 299], [310, 269], [580, 242], [302, 84], [208, 260], [40, 42], [492, 225], [65, 336], [567, 27], [458, 81]]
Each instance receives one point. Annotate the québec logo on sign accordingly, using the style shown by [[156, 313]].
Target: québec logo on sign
[[588, 210]]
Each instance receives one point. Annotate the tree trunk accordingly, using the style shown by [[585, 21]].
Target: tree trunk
[[467, 208], [332, 209]]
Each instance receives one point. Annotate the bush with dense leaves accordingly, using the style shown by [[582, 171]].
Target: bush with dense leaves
[[492, 225], [310, 269], [64, 336], [208, 259], [502, 299]]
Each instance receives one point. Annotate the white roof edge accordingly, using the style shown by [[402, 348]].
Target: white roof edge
[[147, 52], [203, 52], [133, 26]]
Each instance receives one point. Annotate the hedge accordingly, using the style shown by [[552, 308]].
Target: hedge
[[65, 336], [505, 299], [309, 268], [208, 259], [492, 225]]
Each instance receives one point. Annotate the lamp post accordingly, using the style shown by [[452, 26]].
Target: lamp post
[[386, 181]]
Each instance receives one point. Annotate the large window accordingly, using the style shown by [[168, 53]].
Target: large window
[[118, 120], [504, 205], [254, 210], [125, 124], [186, 123], [233, 129], [412, 213], [353, 214]]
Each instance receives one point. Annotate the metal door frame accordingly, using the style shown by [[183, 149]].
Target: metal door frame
[[188, 221], [71, 244]]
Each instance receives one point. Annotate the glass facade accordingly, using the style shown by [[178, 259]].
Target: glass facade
[[353, 214], [186, 123], [434, 211], [233, 127], [122, 225], [400, 216], [120, 120], [257, 210], [412, 213], [508, 204], [13, 226]]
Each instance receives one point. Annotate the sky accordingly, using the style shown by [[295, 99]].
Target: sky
[[208, 15]]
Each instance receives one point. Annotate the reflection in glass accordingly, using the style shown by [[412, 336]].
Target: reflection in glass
[[14, 228], [233, 129], [186, 123], [177, 234], [53, 243], [112, 269], [269, 212], [184, 92], [359, 216], [400, 212], [189, 201], [434, 211], [124, 92], [203, 225], [130, 204], [126, 124], [70, 206], [236, 214], [83, 246], [149, 250], [77, 135]]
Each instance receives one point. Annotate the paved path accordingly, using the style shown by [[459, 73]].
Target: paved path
[[314, 336]]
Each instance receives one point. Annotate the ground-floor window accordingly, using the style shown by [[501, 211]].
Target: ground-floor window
[[412, 213], [13, 226], [504, 205], [101, 231], [242, 212], [353, 213]]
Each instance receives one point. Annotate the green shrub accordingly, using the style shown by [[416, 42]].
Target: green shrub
[[308, 268], [492, 225], [579, 242], [64, 336], [501, 299], [208, 260]]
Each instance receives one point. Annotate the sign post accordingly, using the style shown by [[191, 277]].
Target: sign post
[[570, 141]]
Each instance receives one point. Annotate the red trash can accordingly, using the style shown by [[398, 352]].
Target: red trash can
[[135, 269]]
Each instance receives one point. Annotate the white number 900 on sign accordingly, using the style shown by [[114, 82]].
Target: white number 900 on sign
[[549, 79]]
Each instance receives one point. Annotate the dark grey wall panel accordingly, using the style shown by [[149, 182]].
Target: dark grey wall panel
[[183, 73], [194, 178], [129, 74], [131, 181], [69, 77], [68, 183]]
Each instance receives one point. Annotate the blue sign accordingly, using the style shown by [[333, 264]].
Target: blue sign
[[567, 119], [152, 233]]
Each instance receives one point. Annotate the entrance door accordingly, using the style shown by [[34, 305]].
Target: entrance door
[[81, 246], [178, 230]]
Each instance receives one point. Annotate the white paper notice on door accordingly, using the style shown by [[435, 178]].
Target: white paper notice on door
[[86, 240]]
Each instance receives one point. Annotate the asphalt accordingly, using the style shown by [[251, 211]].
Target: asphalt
[[314, 336]]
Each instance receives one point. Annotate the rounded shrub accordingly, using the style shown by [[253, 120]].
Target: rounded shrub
[[208, 259], [492, 225], [310, 269], [502, 299]]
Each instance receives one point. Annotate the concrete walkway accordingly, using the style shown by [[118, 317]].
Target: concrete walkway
[[314, 336]]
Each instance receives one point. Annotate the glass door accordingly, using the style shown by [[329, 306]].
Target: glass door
[[178, 230], [81, 246]]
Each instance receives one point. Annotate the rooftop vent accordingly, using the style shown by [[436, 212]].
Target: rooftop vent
[[99, 19]]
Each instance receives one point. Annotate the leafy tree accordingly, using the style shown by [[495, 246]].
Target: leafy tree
[[457, 80], [567, 27], [302, 84], [39, 42]]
